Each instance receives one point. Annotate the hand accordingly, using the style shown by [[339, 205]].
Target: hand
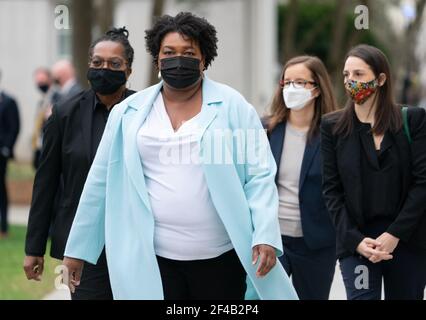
[[33, 267], [75, 268], [369, 248], [388, 242], [5, 152], [267, 257]]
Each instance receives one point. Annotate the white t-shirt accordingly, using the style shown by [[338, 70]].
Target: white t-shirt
[[187, 225], [288, 182]]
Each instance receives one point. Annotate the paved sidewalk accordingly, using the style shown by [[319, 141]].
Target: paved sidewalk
[[58, 295], [337, 290], [19, 215]]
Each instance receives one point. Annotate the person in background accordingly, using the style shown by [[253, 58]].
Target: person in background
[[63, 75], [71, 138], [44, 83], [374, 183], [303, 96], [9, 130]]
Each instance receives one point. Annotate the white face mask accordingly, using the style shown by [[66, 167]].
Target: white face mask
[[297, 98]]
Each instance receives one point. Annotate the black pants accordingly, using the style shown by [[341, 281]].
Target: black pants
[[3, 195], [94, 282], [311, 271], [36, 159], [221, 278], [404, 276]]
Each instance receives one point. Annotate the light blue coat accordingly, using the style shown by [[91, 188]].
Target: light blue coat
[[114, 208]]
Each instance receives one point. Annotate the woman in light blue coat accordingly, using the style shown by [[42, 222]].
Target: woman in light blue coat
[[181, 191]]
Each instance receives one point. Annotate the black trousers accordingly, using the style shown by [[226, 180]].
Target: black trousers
[[221, 278], [94, 282], [3, 195], [311, 271], [404, 276]]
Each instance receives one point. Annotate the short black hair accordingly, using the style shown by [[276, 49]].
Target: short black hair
[[187, 24], [120, 35]]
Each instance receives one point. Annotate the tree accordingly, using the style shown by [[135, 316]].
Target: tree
[[105, 15], [321, 28], [88, 16], [81, 17], [410, 61], [157, 11], [290, 25]]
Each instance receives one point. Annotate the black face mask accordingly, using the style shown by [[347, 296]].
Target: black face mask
[[43, 87], [106, 81], [180, 72]]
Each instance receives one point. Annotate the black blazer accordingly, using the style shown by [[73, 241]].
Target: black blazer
[[318, 230], [66, 154], [9, 123], [343, 189]]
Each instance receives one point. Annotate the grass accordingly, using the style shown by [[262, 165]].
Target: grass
[[13, 282], [20, 171]]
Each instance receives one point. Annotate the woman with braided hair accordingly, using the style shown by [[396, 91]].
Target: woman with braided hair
[[71, 139]]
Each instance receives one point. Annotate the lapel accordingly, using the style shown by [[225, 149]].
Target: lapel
[[137, 110], [86, 116], [311, 150], [276, 140], [404, 153], [211, 98], [349, 156]]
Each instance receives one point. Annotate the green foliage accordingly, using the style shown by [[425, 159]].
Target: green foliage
[[313, 15], [19, 171]]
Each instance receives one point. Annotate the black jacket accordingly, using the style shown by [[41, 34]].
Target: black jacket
[[9, 125], [66, 153], [342, 186], [318, 230]]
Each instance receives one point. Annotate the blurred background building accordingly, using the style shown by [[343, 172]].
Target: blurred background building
[[255, 38]]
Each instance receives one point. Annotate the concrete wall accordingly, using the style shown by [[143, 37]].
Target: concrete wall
[[246, 56], [27, 41]]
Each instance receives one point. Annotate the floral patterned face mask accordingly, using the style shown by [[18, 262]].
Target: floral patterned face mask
[[361, 91]]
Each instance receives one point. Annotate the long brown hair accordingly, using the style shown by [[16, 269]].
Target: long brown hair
[[387, 115], [324, 103]]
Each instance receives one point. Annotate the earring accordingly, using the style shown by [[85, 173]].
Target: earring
[[159, 75]]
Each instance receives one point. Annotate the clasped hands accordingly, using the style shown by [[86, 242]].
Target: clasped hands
[[378, 249]]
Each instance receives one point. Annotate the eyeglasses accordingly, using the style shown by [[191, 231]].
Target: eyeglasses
[[298, 84], [114, 64]]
